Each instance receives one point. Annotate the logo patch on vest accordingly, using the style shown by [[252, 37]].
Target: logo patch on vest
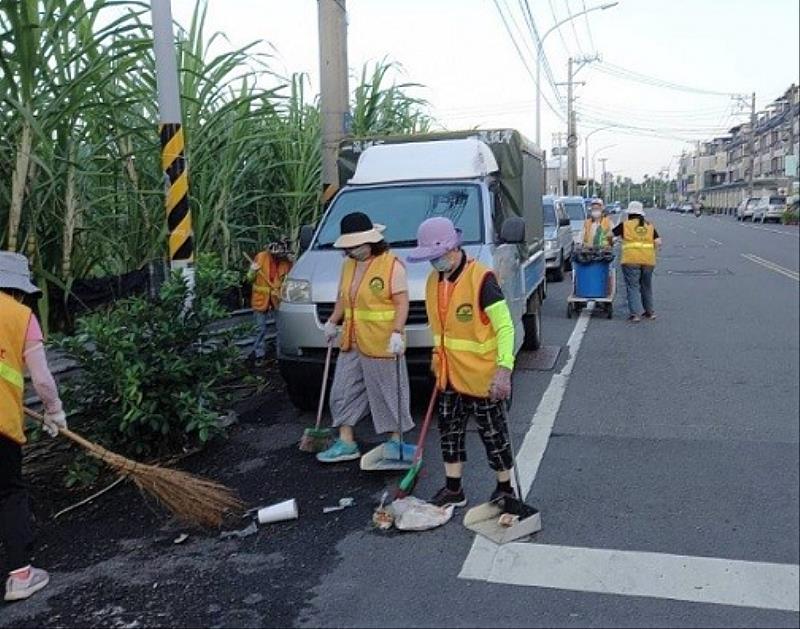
[[640, 229], [376, 285], [464, 313]]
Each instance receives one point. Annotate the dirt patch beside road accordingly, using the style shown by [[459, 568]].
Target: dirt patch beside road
[[114, 563]]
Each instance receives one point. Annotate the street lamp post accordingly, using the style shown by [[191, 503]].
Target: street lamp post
[[586, 154], [603, 148], [540, 48]]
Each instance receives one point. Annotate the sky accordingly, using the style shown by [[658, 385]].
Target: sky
[[473, 76]]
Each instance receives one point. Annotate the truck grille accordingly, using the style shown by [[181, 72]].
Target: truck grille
[[417, 315]]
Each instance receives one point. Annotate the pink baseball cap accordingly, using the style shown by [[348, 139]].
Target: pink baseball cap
[[435, 237]]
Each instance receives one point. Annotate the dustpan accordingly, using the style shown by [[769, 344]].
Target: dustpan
[[376, 461], [507, 519]]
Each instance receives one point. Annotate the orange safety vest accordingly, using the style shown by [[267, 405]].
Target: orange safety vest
[[369, 319], [605, 225], [464, 342], [266, 292], [638, 243], [14, 320]]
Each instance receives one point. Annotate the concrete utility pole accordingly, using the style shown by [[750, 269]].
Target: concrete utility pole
[[603, 179], [752, 143], [334, 91], [572, 137], [173, 162]]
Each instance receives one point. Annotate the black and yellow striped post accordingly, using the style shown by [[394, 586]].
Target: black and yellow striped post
[[179, 218]]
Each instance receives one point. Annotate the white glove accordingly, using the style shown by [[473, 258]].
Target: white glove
[[330, 331], [54, 421], [254, 267], [396, 344], [501, 384]]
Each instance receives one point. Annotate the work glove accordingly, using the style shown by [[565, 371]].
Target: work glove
[[54, 421], [396, 344], [501, 384], [330, 331], [254, 267]]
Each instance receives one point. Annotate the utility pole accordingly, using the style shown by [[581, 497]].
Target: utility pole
[[603, 179], [173, 162], [334, 91], [572, 138], [752, 159]]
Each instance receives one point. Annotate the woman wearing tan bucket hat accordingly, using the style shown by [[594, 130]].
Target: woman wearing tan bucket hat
[[372, 305], [20, 347]]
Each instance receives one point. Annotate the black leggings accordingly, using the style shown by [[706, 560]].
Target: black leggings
[[16, 532], [454, 411]]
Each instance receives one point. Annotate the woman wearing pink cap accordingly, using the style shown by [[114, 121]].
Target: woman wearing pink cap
[[473, 355]]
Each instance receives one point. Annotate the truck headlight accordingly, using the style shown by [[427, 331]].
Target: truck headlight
[[296, 291], [549, 245]]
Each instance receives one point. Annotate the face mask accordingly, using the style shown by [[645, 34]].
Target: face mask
[[359, 253], [597, 213], [441, 264]]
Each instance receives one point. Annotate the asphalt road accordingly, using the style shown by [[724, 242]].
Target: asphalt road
[[663, 457]]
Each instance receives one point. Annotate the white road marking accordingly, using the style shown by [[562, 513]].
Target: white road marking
[[767, 229], [772, 266], [715, 241], [655, 575]]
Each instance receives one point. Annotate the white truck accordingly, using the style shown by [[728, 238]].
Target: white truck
[[489, 183]]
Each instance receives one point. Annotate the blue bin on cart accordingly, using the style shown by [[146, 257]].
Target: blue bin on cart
[[591, 279]]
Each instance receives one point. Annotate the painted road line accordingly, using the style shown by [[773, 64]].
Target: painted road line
[[773, 231], [654, 575], [480, 560], [715, 241], [772, 266]]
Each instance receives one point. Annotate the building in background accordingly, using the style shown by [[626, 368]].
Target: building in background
[[716, 172]]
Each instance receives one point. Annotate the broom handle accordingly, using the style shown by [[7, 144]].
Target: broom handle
[[425, 424], [81, 441], [325, 372], [250, 260]]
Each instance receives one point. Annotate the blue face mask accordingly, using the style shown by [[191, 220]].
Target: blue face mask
[[441, 264]]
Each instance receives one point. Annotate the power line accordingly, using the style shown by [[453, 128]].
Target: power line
[[574, 30], [548, 71], [560, 34], [631, 75], [588, 25]]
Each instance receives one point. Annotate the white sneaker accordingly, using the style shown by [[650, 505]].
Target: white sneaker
[[20, 589]]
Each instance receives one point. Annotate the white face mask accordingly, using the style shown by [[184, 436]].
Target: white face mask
[[597, 213], [359, 253]]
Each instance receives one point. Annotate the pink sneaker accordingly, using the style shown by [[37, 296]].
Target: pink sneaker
[[18, 589]]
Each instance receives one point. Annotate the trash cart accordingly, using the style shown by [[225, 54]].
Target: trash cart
[[593, 279]]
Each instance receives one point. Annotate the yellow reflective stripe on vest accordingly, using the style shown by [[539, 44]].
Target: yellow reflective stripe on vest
[[261, 289], [463, 345], [12, 376], [638, 245], [371, 315]]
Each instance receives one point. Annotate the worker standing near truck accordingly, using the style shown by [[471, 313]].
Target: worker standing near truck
[[267, 273], [21, 346], [473, 356], [371, 374], [597, 227]]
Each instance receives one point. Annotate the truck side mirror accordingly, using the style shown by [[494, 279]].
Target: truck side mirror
[[564, 222], [306, 236], [513, 231]]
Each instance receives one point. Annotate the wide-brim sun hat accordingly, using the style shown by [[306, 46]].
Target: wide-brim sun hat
[[435, 237], [635, 207], [596, 201], [357, 229], [15, 274]]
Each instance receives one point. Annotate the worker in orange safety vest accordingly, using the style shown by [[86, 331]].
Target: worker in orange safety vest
[[267, 274]]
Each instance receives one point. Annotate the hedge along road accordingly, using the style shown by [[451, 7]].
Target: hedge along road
[[669, 485]]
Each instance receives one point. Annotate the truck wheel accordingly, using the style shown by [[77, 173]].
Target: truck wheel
[[558, 274], [568, 264], [532, 324]]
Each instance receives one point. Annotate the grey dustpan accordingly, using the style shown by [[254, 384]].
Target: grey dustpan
[[376, 461], [484, 520]]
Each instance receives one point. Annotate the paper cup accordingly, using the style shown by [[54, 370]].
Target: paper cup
[[286, 510]]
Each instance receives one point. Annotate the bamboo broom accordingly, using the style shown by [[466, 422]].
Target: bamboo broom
[[191, 498]]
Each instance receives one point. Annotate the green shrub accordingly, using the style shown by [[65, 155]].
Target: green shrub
[[791, 217], [150, 377]]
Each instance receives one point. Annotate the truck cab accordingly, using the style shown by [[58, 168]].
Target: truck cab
[[487, 183]]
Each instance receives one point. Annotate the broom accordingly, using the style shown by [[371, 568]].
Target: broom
[[318, 439], [409, 481], [191, 498]]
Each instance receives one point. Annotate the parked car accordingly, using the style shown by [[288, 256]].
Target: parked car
[[558, 242], [614, 208], [686, 208], [576, 211], [770, 208], [479, 179], [746, 207]]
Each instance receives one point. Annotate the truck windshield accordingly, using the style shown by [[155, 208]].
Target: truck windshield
[[549, 215], [576, 211], [402, 208]]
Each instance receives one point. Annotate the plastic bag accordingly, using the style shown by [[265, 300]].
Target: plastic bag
[[413, 514]]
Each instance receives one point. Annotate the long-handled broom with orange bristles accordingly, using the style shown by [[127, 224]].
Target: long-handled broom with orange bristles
[[190, 498], [318, 439]]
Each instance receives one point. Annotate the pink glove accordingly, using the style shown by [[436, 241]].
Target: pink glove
[[501, 384]]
